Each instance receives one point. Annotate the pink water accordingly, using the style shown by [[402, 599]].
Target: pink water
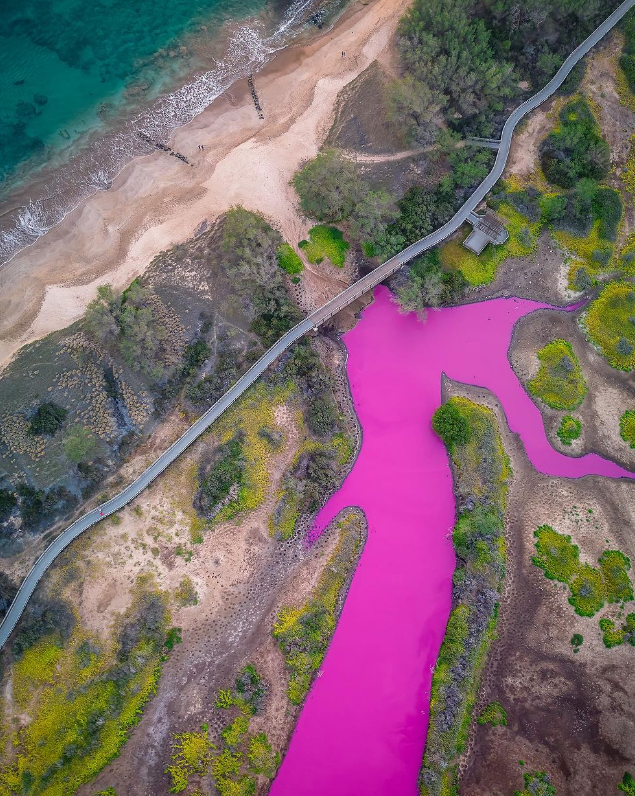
[[363, 726]]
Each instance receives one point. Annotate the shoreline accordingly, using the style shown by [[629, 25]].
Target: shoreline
[[156, 201]]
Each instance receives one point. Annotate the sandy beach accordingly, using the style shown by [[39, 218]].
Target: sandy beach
[[158, 201]]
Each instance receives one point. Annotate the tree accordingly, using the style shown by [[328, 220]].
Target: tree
[[102, 315], [250, 247], [48, 419], [330, 187], [419, 103], [80, 444], [451, 425], [8, 501]]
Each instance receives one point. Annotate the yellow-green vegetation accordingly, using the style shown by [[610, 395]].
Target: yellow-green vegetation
[[81, 699], [627, 427], [613, 636], [559, 382], [610, 324], [191, 754], [304, 632], [627, 785], [494, 714], [289, 260], [481, 470], [238, 757], [185, 593], [248, 452], [325, 242], [537, 783], [590, 588], [569, 429], [310, 476], [481, 269]]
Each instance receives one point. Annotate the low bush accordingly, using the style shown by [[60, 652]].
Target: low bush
[[493, 714], [559, 381], [226, 471], [590, 587], [627, 427], [610, 324], [537, 783], [569, 429], [627, 785]]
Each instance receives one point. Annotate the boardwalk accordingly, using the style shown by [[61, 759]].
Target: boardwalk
[[314, 320]]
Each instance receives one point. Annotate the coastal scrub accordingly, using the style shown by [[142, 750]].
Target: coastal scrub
[[559, 382], [481, 470], [569, 429], [610, 324], [325, 242]]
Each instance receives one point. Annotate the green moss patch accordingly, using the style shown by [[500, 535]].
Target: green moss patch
[[325, 242], [569, 430], [559, 382], [610, 324], [289, 260], [627, 427], [590, 587]]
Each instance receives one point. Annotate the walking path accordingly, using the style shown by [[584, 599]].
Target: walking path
[[314, 320]]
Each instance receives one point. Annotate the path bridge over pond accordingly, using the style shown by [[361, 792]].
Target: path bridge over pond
[[312, 321]]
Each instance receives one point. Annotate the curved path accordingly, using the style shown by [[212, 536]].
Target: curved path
[[316, 318]]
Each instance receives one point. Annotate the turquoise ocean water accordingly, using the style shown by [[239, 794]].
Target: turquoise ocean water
[[80, 79]]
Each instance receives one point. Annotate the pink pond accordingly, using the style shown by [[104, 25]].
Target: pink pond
[[363, 726]]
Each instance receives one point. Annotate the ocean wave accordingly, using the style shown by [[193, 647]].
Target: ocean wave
[[249, 48]]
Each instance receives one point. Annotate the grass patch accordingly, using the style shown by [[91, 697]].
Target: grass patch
[[590, 587], [569, 429], [494, 714], [304, 632], [481, 269], [610, 324], [289, 260], [627, 427], [559, 382], [325, 242]]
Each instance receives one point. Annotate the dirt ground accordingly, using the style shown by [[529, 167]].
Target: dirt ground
[[570, 715]]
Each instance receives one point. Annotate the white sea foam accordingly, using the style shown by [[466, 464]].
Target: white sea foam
[[248, 50]]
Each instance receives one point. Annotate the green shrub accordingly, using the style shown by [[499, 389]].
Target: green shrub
[[576, 640], [288, 260], [216, 481], [570, 429], [607, 208], [493, 714], [48, 419], [557, 556], [590, 588], [325, 242], [559, 381], [610, 324], [575, 150], [611, 636], [451, 425], [536, 784], [321, 415], [627, 785], [615, 567], [329, 187], [627, 427]]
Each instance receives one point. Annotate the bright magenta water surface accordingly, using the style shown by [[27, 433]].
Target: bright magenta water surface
[[362, 728]]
